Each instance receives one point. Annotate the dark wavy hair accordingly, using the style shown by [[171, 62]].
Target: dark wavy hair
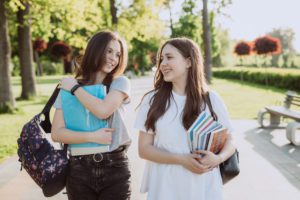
[[94, 58], [196, 87]]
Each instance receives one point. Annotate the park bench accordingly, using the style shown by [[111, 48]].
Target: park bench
[[277, 113]]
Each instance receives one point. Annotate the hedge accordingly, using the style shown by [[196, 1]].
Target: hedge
[[286, 79]]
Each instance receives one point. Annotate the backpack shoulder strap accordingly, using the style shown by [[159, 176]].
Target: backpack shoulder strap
[[51, 100], [212, 112]]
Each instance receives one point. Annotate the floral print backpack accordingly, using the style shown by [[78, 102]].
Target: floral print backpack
[[46, 165]]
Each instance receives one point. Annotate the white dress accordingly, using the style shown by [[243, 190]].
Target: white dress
[[174, 182]]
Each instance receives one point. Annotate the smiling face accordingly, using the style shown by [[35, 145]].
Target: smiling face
[[112, 56], [173, 65]]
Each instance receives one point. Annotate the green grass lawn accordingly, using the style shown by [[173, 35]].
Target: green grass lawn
[[242, 99]]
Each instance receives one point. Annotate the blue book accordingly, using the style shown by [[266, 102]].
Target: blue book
[[78, 118]]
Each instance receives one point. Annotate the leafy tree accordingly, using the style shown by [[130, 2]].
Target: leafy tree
[[242, 49], [207, 41], [146, 32], [222, 58], [286, 37], [267, 45], [63, 51], [7, 102], [189, 24], [168, 5]]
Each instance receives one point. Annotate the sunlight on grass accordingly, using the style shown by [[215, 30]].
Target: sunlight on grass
[[244, 100]]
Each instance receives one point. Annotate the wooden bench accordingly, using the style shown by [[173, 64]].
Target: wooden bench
[[279, 112]]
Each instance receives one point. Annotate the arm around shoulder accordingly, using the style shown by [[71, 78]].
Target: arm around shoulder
[[119, 92]]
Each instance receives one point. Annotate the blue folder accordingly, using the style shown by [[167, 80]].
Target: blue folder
[[78, 118]]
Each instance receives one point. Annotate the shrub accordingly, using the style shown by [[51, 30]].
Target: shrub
[[288, 79]]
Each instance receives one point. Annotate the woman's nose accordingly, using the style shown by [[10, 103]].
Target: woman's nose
[[114, 57], [163, 63]]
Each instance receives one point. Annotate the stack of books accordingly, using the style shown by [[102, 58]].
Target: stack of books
[[78, 118], [207, 134]]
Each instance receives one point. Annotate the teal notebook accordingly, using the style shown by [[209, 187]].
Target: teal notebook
[[78, 118]]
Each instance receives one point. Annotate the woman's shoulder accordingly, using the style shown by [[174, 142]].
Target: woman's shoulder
[[213, 95], [121, 83], [120, 79], [215, 98]]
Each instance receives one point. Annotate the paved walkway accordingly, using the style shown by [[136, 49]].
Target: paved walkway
[[270, 166]]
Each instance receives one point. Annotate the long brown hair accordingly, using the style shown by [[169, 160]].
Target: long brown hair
[[94, 58], [196, 86]]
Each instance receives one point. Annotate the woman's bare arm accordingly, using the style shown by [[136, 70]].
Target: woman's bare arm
[[60, 133], [101, 108]]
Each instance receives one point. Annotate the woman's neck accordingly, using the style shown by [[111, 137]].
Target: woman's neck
[[179, 86], [100, 76]]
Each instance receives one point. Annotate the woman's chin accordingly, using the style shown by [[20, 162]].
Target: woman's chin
[[168, 79], [107, 70]]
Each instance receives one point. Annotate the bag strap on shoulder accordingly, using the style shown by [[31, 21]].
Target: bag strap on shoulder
[[212, 112], [51, 101], [46, 123]]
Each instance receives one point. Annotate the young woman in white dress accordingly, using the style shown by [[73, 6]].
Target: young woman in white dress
[[165, 114]]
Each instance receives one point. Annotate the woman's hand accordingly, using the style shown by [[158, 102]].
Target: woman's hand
[[189, 161], [68, 83], [102, 136], [208, 158]]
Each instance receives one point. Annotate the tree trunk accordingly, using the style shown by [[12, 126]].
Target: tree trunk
[[275, 60], [67, 64], [171, 19], [113, 12], [38, 63], [207, 43], [26, 53], [7, 102]]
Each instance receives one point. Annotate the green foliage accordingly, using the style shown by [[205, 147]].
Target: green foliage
[[15, 66], [146, 33], [52, 68], [286, 79], [215, 42], [189, 24], [286, 37], [142, 54]]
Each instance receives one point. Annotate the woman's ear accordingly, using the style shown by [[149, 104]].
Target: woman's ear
[[188, 62]]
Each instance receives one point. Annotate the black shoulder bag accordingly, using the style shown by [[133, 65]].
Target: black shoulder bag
[[230, 167]]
